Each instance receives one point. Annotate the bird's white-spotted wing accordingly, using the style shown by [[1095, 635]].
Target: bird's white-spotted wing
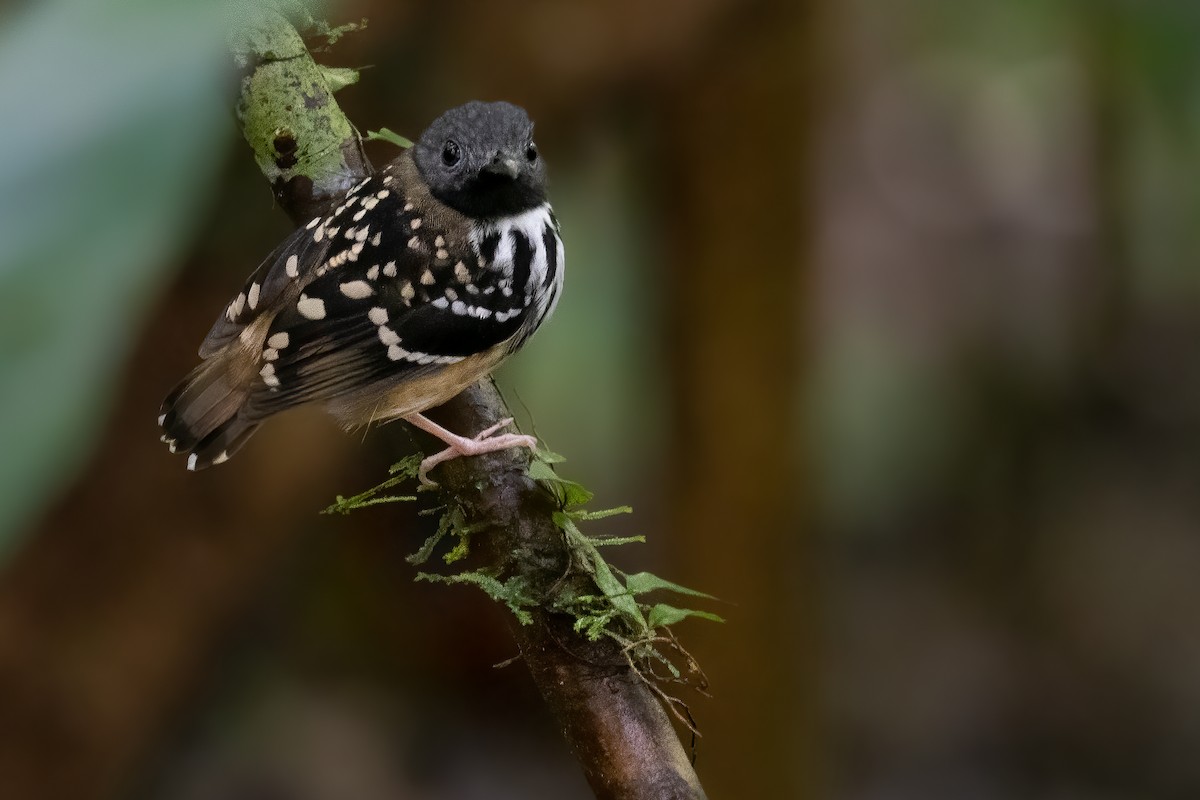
[[378, 292]]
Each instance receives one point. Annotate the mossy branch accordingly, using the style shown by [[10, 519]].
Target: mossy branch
[[591, 653], [602, 601], [303, 144]]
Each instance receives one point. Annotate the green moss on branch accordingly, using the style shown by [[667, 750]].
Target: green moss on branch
[[303, 144]]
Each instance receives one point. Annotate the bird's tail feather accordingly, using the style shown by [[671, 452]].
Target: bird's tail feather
[[203, 417]]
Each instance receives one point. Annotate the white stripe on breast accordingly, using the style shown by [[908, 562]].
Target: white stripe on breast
[[531, 224]]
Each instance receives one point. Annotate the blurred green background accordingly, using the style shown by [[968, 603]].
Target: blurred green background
[[885, 317]]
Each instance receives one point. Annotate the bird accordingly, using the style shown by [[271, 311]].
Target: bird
[[416, 283]]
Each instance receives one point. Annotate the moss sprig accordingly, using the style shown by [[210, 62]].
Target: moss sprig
[[625, 607]]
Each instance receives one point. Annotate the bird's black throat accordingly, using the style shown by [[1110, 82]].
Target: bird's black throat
[[490, 196]]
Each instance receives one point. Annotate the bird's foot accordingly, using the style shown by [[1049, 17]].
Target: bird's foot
[[485, 441]]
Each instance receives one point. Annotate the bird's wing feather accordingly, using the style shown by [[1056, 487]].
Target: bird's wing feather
[[388, 301], [291, 265]]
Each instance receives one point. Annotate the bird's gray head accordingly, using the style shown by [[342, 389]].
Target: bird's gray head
[[480, 159]]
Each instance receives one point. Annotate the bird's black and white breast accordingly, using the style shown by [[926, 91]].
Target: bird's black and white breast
[[525, 251]]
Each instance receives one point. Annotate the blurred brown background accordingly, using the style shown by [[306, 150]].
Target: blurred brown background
[[885, 317]]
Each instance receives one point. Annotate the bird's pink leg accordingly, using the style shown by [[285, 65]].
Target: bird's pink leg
[[484, 442]]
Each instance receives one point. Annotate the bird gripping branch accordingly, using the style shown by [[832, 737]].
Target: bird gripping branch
[[419, 282]]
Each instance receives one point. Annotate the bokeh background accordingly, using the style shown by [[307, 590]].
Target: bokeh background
[[885, 317]]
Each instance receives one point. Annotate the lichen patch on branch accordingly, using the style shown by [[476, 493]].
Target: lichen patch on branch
[[286, 96]]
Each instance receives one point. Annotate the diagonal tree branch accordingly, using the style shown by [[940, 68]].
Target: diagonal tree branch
[[613, 722]]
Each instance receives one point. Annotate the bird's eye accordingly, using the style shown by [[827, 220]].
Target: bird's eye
[[531, 152], [451, 154]]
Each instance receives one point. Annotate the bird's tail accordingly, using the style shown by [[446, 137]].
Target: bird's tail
[[203, 416]]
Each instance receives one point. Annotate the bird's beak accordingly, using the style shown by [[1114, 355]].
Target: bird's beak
[[505, 166]]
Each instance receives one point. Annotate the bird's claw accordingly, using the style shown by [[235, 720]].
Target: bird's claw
[[484, 442]]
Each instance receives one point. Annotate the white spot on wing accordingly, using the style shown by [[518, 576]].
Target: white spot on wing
[[356, 290], [388, 336], [192, 459], [268, 375], [292, 266], [311, 307], [235, 308], [252, 297], [378, 315], [279, 340]]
